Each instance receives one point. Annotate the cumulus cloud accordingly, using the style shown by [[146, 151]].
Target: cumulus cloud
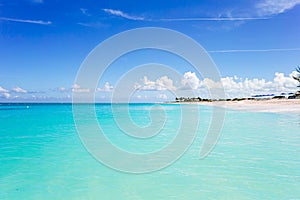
[[2, 90], [122, 14], [162, 96], [163, 83], [77, 88], [274, 7], [19, 90], [239, 87], [5, 95], [62, 89], [190, 80], [233, 86], [106, 88]]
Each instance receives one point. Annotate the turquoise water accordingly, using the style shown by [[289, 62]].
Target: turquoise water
[[42, 157]]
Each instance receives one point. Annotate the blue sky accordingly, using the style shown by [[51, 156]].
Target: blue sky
[[43, 42]]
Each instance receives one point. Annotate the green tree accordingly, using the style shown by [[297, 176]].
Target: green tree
[[298, 76]]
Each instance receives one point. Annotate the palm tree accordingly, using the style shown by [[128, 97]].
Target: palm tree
[[298, 76]]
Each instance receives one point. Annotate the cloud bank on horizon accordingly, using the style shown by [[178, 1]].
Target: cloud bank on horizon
[[235, 87]]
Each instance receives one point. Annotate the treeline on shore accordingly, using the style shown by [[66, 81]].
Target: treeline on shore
[[257, 97]]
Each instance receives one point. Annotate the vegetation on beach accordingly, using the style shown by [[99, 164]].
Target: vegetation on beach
[[298, 76]]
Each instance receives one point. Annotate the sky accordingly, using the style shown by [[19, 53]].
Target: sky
[[254, 44]]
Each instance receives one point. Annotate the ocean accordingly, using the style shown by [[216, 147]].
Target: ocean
[[42, 157]]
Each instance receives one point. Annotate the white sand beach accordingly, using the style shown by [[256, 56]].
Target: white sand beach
[[272, 105]]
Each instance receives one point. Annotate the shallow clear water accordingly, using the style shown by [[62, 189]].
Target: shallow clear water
[[42, 157]]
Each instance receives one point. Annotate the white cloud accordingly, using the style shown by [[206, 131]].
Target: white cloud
[[163, 83], [162, 96], [6, 95], [264, 9], [233, 86], [77, 88], [2, 90], [26, 21], [19, 90], [237, 87], [229, 18], [84, 11], [107, 88], [190, 80], [122, 14], [274, 7], [62, 89]]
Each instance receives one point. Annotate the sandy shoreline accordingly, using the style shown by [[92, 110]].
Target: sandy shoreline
[[272, 105]]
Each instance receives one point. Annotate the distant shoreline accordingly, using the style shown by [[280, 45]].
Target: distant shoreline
[[291, 106], [255, 105]]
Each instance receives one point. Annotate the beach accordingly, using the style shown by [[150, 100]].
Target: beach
[[269, 105]]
